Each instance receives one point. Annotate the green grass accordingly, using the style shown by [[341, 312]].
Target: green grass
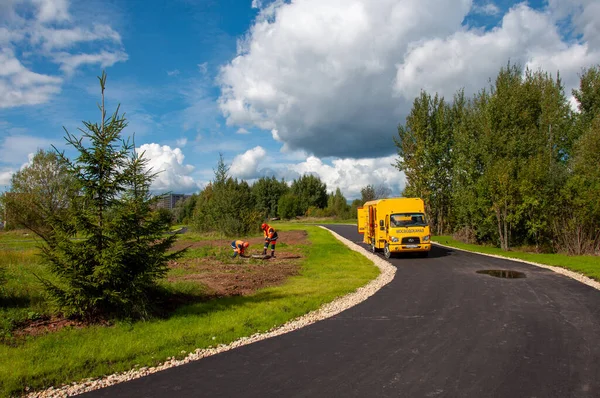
[[21, 297], [329, 271], [18, 240], [586, 265]]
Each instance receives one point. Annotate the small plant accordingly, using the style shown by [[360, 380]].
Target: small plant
[[33, 316]]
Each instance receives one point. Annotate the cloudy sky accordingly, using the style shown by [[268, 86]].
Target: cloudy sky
[[278, 87]]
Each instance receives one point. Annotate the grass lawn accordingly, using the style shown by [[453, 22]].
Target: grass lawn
[[586, 265], [329, 270]]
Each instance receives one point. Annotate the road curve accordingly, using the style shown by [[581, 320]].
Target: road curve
[[439, 329]]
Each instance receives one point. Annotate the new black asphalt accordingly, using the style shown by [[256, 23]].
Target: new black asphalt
[[439, 329]]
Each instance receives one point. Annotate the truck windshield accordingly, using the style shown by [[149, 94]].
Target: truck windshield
[[408, 220]]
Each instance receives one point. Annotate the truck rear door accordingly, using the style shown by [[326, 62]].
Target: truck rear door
[[362, 220]]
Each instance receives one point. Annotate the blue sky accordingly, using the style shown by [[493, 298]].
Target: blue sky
[[279, 88]]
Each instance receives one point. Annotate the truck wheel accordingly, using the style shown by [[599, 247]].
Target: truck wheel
[[386, 251], [373, 248]]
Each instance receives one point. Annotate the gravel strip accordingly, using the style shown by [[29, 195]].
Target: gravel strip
[[559, 270], [326, 311]]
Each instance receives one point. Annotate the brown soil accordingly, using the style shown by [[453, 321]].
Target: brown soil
[[242, 276], [47, 325], [234, 277]]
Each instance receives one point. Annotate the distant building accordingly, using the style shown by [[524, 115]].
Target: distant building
[[170, 200]]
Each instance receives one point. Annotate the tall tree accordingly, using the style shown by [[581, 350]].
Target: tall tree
[[577, 226], [588, 95], [425, 156], [337, 205], [367, 193], [39, 190], [113, 268], [374, 192], [226, 205], [266, 193], [289, 206], [311, 192], [492, 167], [184, 209]]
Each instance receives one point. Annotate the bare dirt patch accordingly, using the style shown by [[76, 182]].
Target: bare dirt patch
[[45, 325], [234, 277], [256, 243]]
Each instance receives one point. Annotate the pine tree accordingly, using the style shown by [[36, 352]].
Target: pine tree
[[109, 250]]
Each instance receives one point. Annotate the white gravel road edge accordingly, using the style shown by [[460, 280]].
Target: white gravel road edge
[[335, 307], [559, 270]]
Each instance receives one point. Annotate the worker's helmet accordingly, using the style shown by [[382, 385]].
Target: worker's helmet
[[246, 244], [263, 226]]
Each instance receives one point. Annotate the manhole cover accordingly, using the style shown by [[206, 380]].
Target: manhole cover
[[500, 273]]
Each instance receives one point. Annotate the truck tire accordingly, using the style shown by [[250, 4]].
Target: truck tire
[[386, 251], [373, 248]]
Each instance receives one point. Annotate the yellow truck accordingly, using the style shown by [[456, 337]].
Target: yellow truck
[[396, 225]]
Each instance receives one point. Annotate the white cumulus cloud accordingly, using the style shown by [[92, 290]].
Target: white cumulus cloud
[[466, 59], [47, 29], [245, 166], [70, 62], [15, 148], [173, 175], [336, 77], [486, 9], [583, 15], [351, 175], [5, 176], [52, 10], [20, 86]]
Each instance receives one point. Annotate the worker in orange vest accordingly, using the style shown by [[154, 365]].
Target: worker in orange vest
[[239, 247], [270, 238]]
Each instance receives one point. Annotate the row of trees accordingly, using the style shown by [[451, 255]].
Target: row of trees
[[45, 187], [234, 207], [513, 165]]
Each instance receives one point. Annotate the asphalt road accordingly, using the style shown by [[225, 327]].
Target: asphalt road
[[439, 329]]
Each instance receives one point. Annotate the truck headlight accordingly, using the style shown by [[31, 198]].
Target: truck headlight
[[426, 238], [394, 239]]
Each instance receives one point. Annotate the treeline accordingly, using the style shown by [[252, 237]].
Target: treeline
[[226, 205], [513, 165], [231, 206]]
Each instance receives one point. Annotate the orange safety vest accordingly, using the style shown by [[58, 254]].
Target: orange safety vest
[[270, 233], [239, 246]]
